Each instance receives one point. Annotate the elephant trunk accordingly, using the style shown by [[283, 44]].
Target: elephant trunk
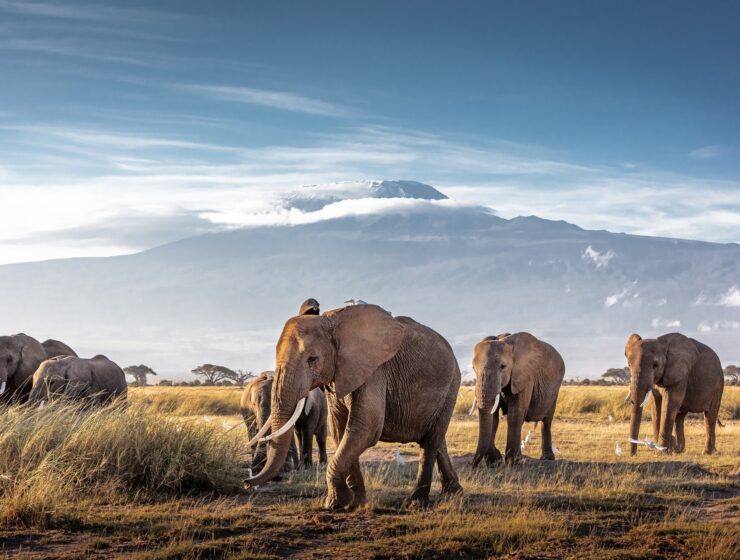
[[278, 445], [485, 429]]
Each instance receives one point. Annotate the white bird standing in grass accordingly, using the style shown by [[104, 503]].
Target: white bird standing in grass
[[399, 458], [355, 302], [649, 444], [617, 449], [207, 419]]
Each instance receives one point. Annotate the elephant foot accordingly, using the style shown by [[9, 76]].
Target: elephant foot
[[550, 456], [493, 457], [711, 451], [339, 499], [416, 503], [359, 500], [452, 488]]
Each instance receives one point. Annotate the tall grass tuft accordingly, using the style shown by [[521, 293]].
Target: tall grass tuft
[[66, 452]]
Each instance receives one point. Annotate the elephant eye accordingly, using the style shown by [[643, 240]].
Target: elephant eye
[[312, 360], [655, 364], [503, 366]]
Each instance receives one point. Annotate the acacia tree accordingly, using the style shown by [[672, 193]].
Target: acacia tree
[[618, 376], [732, 375], [139, 373], [242, 375], [212, 374]]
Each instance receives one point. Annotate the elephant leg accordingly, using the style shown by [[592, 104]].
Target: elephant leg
[[670, 406], [547, 453], [363, 428], [357, 484], [710, 423], [517, 410], [306, 447], [450, 482], [680, 443], [321, 443], [292, 461], [420, 494], [657, 406], [493, 455]]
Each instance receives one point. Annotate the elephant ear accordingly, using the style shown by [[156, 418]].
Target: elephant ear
[[366, 336], [681, 355], [631, 341], [529, 360]]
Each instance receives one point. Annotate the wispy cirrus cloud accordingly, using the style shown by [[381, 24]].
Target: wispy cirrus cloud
[[708, 152], [74, 11], [284, 100]]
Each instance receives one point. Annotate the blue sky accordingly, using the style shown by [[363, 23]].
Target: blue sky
[[125, 125]]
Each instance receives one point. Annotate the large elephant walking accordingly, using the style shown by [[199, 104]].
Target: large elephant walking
[[20, 356], [523, 374], [683, 375], [98, 379], [388, 379]]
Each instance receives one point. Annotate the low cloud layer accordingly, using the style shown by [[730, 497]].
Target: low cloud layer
[[93, 191]]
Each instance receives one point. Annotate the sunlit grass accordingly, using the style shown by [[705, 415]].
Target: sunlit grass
[[161, 480]]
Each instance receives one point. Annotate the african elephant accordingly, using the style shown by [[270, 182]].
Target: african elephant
[[20, 356], [255, 407], [54, 348], [683, 375], [388, 379], [98, 379], [524, 374]]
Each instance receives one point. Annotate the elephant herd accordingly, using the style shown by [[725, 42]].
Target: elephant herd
[[33, 371], [369, 376], [391, 379]]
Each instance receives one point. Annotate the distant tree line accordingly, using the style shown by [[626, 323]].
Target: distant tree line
[[207, 375]]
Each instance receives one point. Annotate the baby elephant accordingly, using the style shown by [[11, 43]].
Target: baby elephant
[[97, 379], [256, 403], [523, 374]]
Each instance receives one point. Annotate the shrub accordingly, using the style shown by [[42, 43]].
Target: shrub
[[65, 453]]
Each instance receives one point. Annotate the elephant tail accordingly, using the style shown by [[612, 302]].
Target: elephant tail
[[719, 423]]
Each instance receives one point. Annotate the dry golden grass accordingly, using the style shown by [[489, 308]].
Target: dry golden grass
[[588, 504]]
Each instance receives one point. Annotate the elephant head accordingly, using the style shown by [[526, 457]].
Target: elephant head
[[255, 402], [663, 361], [309, 307], [50, 378], [342, 348], [20, 355]]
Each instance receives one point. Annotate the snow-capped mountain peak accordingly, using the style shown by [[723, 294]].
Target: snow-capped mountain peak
[[311, 198]]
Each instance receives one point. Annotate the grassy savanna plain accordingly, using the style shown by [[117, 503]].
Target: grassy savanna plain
[[161, 477]]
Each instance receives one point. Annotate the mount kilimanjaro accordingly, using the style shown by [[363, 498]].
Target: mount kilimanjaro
[[223, 297]]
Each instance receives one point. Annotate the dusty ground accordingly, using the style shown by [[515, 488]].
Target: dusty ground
[[590, 503]]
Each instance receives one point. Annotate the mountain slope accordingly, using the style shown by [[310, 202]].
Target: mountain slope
[[464, 271]]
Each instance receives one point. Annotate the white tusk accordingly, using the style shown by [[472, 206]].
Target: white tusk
[[647, 398], [627, 398], [263, 430], [472, 408], [495, 404], [2, 387], [289, 424], [41, 404]]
